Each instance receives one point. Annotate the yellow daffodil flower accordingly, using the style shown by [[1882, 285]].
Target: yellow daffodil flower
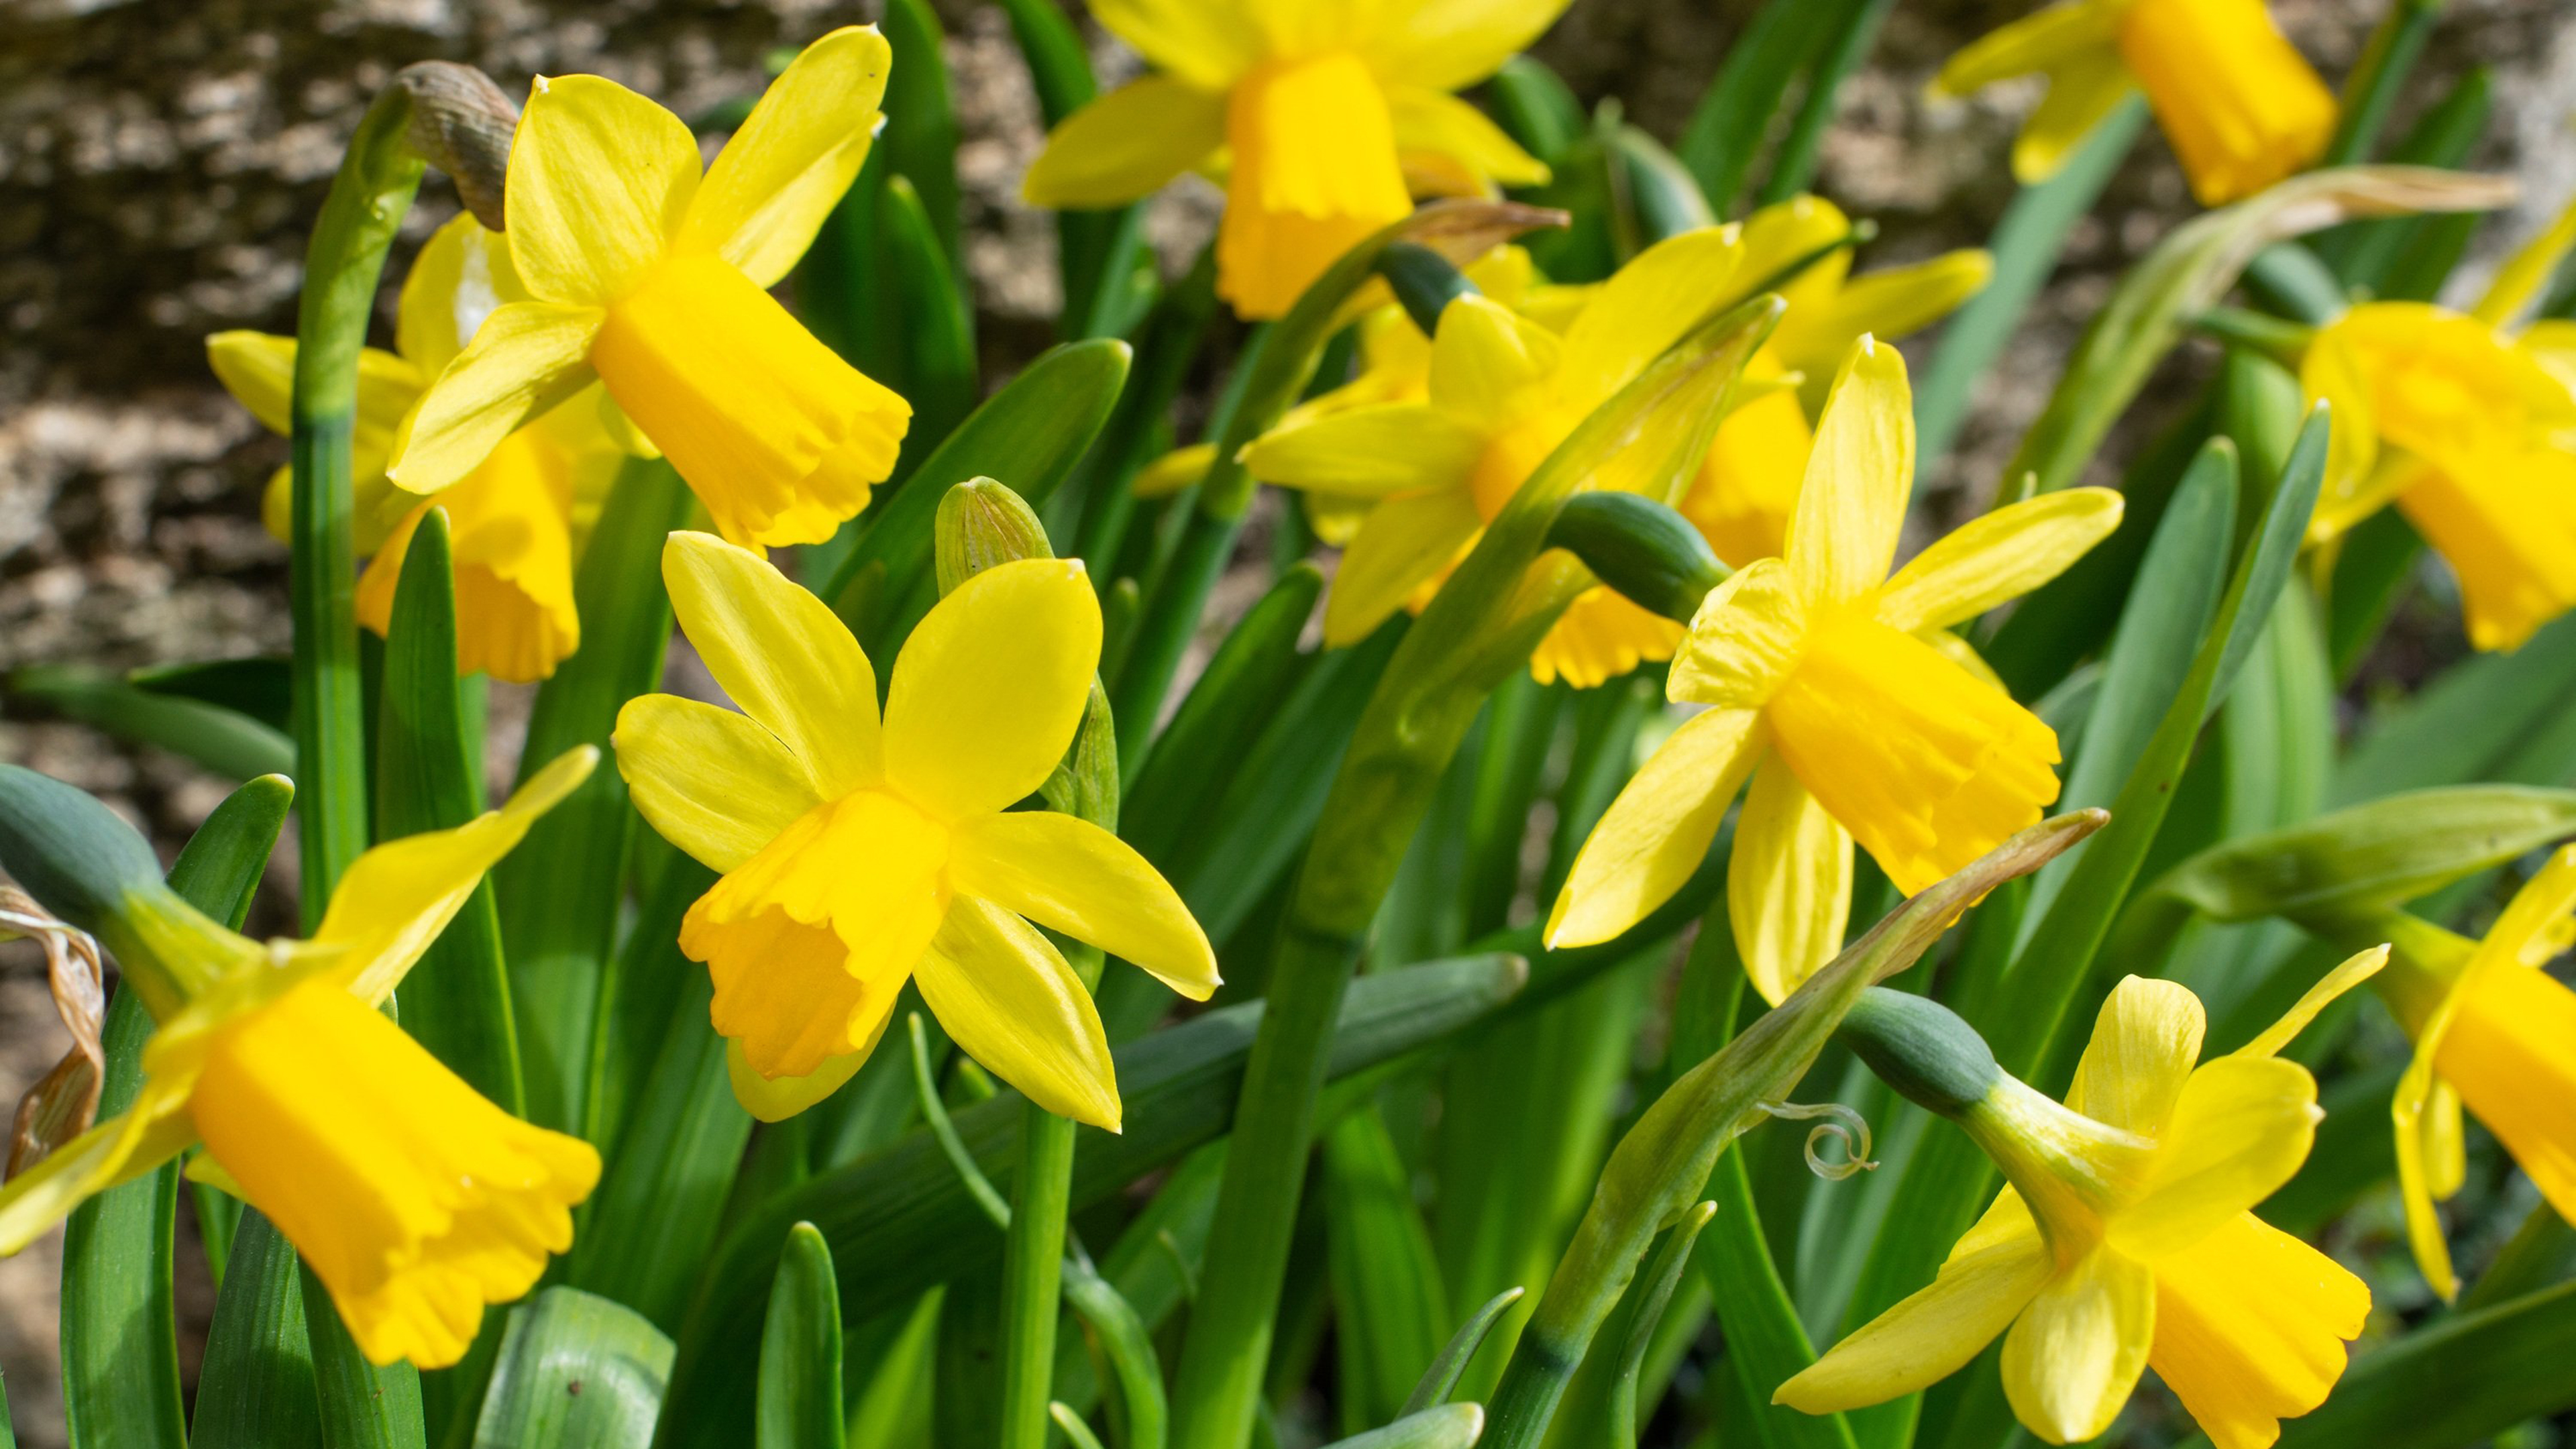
[[517, 519], [2494, 1032], [2126, 1240], [415, 1200], [651, 279], [1838, 691], [1501, 391], [1327, 119], [1743, 495], [2471, 431], [2241, 106], [857, 854]]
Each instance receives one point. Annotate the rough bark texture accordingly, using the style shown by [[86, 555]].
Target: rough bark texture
[[160, 161]]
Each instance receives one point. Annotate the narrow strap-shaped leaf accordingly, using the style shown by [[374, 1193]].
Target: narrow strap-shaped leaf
[[1389, 1308], [258, 685], [576, 1372], [255, 1389], [1851, 32], [2464, 725], [920, 136], [1244, 680], [456, 1002], [1450, 1426], [364, 1406], [800, 1349], [938, 328], [558, 893], [1441, 1378], [1734, 114], [1653, 1293], [225, 741]]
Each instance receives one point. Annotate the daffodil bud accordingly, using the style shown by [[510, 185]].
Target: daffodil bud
[[2357, 862], [1922, 1049], [982, 523], [1646, 551], [73, 855], [1424, 281]]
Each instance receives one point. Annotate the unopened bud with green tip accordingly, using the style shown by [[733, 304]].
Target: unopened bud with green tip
[[982, 524], [90, 868], [1650, 554]]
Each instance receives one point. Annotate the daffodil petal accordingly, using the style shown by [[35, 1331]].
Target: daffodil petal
[[1647, 306], [1369, 452], [258, 369], [710, 781], [2415, 1186], [2145, 1043], [1658, 830], [154, 1131], [394, 900], [1403, 542], [2074, 1356], [1933, 1333], [1997, 557], [1009, 1001], [2533, 927], [1842, 536], [991, 686], [2330, 372], [775, 1099], [1435, 123], [782, 655], [1315, 170], [1208, 45], [2507, 1056], [1487, 361], [1448, 45], [2509, 535], [2082, 92], [1077, 879], [800, 148], [1891, 303], [1788, 883], [2355, 970], [462, 275], [1744, 638], [599, 179], [2251, 1325], [1127, 144], [527, 357], [2043, 41], [2239, 1130]]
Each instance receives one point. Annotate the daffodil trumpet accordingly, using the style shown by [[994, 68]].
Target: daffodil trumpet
[[2125, 1238], [414, 1200]]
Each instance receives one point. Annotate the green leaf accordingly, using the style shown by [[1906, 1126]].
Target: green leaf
[[899, 1220], [2457, 1382], [1059, 68], [920, 136], [1450, 1426], [2468, 723], [575, 1372], [2187, 273], [1656, 1172], [224, 741], [1029, 435], [1535, 107], [1239, 690], [1851, 31], [800, 1349], [1389, 1309], [1649, 1297], [364, 1405], [259, 686], [1439, 1380], [1733, 117], [255, 1389], [1764, 1338], [2376, 855], [457, 1000], [937, 328], [558, 893], [2367, 255], [120, 1353]]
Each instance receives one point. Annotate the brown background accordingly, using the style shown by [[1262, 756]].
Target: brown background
[[161, 159]]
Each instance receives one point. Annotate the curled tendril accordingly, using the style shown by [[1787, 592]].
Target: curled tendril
[[1841, 1123]]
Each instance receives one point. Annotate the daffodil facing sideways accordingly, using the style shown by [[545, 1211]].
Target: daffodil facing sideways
[[2469, 428], [858, 853], [1838, 690], [517, 519], [2125, 1238], [650, 278], [1326, 120], [2242, 108], [1501, 391], [414, 1199], [2495, 1033]]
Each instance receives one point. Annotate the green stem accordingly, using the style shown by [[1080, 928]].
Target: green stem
[[2372, 89], [1033, 1258]]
